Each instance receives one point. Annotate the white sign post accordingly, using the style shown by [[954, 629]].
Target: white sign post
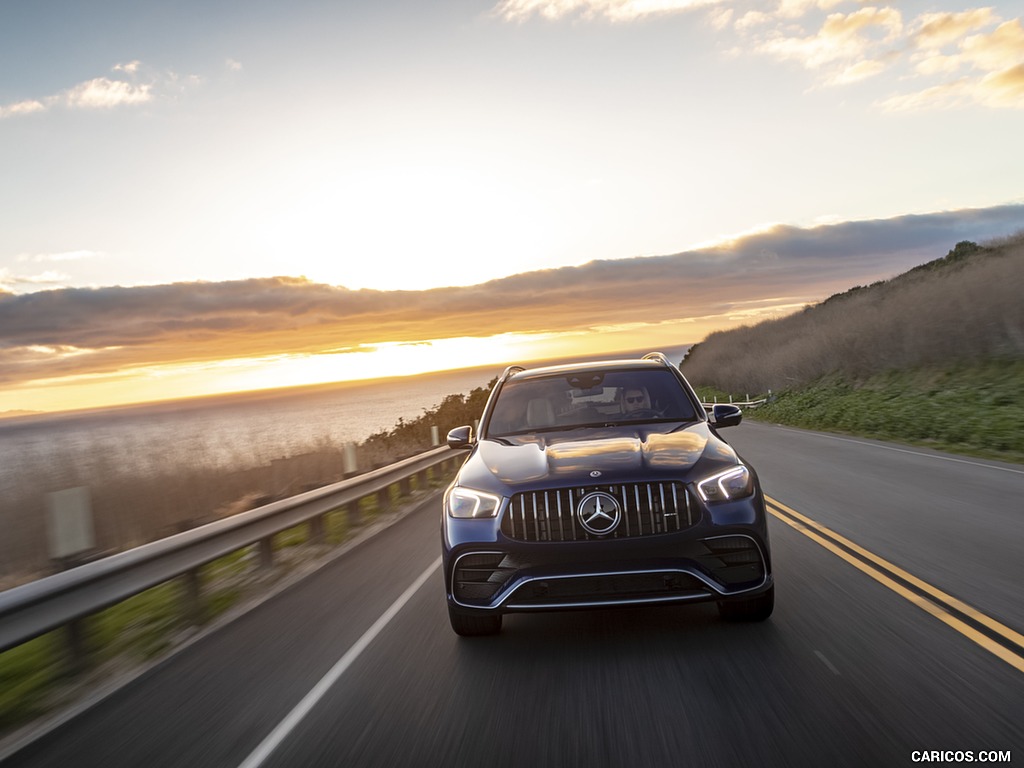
[[69, 515]]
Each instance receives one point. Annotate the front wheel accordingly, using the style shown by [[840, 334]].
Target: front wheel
[[474, 626], [752, 609]]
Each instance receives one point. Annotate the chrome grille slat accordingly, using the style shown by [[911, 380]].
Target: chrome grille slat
[[646, 510], [650, 509], [675, 506]]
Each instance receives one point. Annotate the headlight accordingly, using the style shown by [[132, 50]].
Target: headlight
[[465, 502], [733, 483]]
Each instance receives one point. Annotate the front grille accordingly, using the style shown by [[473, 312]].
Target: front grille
[[647, 509]]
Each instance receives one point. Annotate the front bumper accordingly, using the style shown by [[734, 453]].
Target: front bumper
[[723, 555]]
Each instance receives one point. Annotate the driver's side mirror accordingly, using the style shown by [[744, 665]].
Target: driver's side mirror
[[460, 437], [726, 415]]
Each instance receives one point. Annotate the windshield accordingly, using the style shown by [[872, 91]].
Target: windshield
[[589, 398]]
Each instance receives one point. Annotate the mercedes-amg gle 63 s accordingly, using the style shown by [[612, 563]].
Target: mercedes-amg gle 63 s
[[601, 484]]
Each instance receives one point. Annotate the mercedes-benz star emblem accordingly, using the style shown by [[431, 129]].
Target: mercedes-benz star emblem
[[599, 513], [596, 473]]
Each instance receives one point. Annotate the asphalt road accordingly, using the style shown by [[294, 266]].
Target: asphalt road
[[355, 666]]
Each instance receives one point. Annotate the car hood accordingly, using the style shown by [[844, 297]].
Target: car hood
[[620, 455]]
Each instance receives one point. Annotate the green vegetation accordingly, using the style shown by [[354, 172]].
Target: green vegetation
[[35, 676], [976, 410], [933, 357], [28, 674], [408, 438]]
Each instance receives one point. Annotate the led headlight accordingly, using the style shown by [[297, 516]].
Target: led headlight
[[734, 483], [465, 502]]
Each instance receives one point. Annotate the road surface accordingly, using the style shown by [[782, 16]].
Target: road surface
[[899, 579]]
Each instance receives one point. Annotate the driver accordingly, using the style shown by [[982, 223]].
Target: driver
[[635, 399]]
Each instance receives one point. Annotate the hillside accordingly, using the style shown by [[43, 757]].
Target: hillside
[[933, 356], [963, 308]]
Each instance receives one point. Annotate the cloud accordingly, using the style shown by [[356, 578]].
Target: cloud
[[103, 93], [22, 283], [858, 42], [948, 95], [984, 69], [937, 30], [612, 10], [939, 60], [73, 332], [131, 67], [49, 279], [793, 9], [130, 87], [21, 108], [945, 64], [63, 256], [1004, 88]]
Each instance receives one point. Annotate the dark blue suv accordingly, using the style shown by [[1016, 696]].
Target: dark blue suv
[[601, 484]]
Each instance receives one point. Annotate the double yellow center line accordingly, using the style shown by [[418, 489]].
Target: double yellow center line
[[988, 633]]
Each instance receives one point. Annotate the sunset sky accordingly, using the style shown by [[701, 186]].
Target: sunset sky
[[203, 197]]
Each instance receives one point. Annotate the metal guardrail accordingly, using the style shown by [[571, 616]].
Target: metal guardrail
[[748, 403], [33, 609]]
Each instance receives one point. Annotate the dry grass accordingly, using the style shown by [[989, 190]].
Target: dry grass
[[151, 494], [965, 308], [141, 493]]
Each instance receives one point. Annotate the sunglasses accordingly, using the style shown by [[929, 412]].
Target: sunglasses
[[639, 399]]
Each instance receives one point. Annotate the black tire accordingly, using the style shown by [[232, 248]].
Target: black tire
[[474, 626], [752, 609]]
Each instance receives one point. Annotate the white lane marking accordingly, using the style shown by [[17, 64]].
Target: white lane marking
[[904, 450], [286, 726]]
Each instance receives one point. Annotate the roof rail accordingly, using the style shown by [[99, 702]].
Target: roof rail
[[659, 356], [510, 370]]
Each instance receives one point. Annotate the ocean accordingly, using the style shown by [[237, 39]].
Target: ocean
[[257, 426]]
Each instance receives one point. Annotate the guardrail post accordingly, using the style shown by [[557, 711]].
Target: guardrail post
[[193, 597], [76, 647], [355, 516], [383, 499], [267, 553], [316, 529], [405, 486]]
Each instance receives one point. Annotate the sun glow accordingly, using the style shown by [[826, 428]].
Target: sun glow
[[447, 224], [369, 361]]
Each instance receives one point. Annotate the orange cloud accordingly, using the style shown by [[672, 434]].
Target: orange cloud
[[74, 332], [613, 10], [935, 30]]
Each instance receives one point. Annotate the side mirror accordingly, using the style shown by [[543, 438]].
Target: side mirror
[[460, 437], [726, 415]]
